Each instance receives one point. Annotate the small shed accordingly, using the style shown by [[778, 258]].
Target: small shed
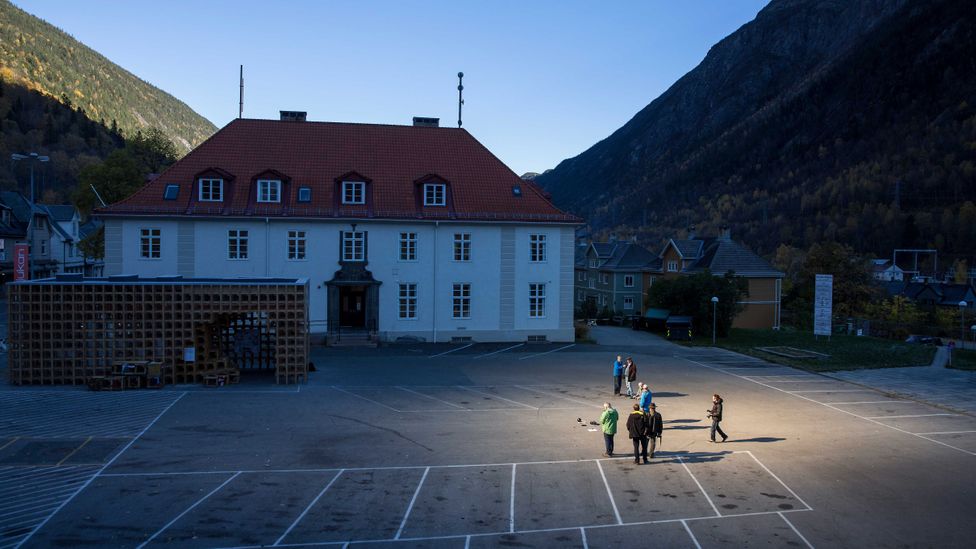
[[653, 320]]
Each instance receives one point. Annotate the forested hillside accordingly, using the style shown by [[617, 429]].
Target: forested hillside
[[43, 58], [821, 120]]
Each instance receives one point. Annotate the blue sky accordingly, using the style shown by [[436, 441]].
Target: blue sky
[[544, 80]]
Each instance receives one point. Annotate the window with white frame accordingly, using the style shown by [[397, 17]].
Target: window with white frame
[[629, 281], [537, 248], [296, 245], [211, 190], [592, 283], [672, 266], [594, 263], [435, 194], [461, 298], [236, 244], [537, 300], [304, 194], [462, 247], [604, 278], [353, 246], [353, 192], [149, 241], [408, 301], [628, 303], [408, 246], [269, 190]]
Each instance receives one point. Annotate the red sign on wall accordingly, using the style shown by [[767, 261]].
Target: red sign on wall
[[21, 262]]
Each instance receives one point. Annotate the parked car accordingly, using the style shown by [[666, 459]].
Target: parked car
[[924, 340]]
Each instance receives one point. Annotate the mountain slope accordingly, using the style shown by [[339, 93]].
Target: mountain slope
[[42, 57], [821, 119]]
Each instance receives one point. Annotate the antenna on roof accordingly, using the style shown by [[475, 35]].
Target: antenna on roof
[[98, 196], [460, 101], [240, 108]]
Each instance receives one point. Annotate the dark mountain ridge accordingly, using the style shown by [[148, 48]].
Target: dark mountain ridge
[[819, 120]]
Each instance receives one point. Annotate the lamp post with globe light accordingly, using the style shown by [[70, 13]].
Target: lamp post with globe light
[[714, 316]]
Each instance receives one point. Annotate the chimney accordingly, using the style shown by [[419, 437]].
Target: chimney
[[426, 122], [725, 233], [691, 232], [292, 116]]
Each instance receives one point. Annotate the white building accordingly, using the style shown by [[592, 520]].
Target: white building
[[402, 230]]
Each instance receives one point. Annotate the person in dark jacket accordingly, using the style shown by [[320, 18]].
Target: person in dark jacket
[[715, 414], [655, 427], [630, 372], [637, 430]]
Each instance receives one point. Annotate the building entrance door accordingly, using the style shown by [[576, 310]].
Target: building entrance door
[[352, 306]]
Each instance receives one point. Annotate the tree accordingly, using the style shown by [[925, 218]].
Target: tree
[[692, 296], [115, 178], [93, 245], [853, 287], [153, 151]]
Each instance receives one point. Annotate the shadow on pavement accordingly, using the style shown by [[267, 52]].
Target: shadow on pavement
[[755, 439]]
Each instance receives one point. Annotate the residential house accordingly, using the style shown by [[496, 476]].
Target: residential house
[[886, 271], [720, 255], [932, 294], [404, 231], [610, 276]]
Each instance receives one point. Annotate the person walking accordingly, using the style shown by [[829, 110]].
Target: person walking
[[637, 430], [655, 428], [715, 414], [618, 371], [608, 419], [645, 398], [630, 371]]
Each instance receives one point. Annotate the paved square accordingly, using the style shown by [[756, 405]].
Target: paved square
[[480, 446]]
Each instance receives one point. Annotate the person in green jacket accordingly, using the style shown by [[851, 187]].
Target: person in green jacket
[[608, 419]]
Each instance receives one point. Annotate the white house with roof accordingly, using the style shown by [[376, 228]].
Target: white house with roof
[[402, 230]]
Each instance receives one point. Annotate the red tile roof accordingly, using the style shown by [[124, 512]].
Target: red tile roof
[[393, 159]]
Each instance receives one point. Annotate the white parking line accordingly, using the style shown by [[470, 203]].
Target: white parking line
[[835, 408], [511, 509], [547, 352], [310, 505], [710, 502], [452, 350], [432, 398], [819, 390], [583, 536], [495, 396], [946, 433], [413, 500], [557, 395], [341, 390], [876, 402], [763, 465], [693, 538], [501, 351], [790, 524], [915, 415], [187, 510], [613, 502]]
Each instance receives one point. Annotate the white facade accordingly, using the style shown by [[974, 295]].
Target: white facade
[[501, 268]]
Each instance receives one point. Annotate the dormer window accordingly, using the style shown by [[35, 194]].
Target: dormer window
[[353, 192], [435, 194], [211, 190], [171, 192], [269, 190], [305, 194]]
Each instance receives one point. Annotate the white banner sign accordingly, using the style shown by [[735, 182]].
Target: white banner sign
[[823, 304]]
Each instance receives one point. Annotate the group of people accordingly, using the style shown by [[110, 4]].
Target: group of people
[[644, 424]]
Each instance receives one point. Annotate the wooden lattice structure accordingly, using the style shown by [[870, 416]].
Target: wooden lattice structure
[[68, 329]]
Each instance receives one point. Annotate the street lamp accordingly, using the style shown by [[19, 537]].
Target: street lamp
[[962, 321], [33, 158], [714, 305], [973, 330]]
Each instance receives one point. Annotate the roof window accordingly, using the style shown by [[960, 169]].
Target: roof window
[[172, 191], [304, 194]]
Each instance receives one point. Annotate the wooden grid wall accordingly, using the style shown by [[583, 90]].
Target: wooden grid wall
[[64, 333]]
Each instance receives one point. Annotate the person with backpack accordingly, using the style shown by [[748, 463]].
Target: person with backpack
[[715, 414], [608, 421], [630, 371]]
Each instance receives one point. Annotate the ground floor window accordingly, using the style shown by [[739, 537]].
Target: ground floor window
[[629, 303], [408, 301], [461, 300], [537, 300]]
